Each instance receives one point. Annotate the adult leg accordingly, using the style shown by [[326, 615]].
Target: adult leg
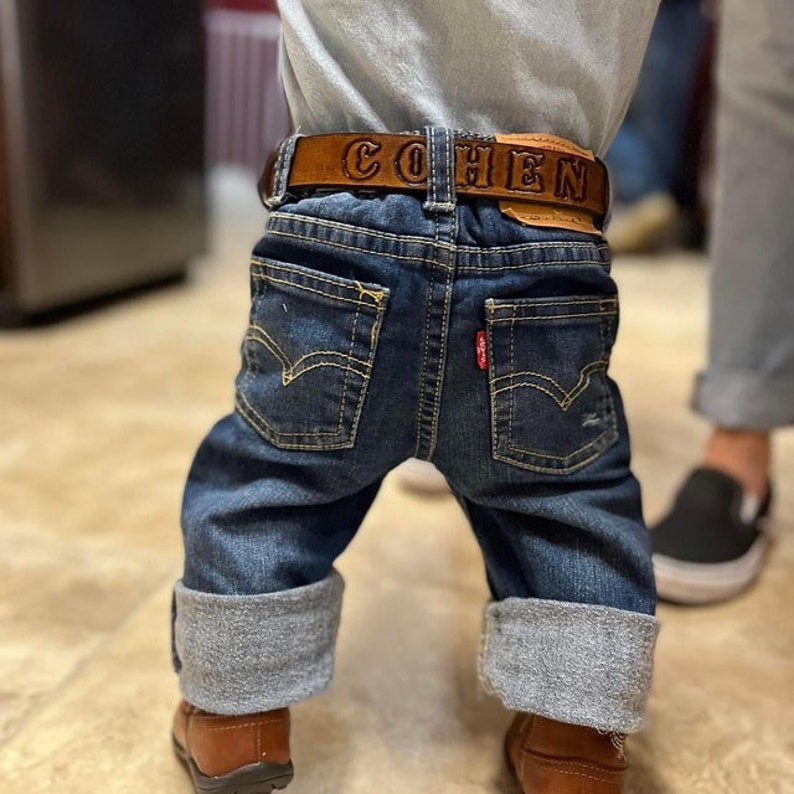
[[711, 545], [749, 379]]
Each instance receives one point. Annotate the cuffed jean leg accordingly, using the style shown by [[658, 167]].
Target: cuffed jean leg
[[257, 611], [550, 496], [573, 634], [575, 663], [249, 653]]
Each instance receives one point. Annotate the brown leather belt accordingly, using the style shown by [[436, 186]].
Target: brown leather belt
[[483, 169]]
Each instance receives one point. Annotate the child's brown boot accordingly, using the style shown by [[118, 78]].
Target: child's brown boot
[[550, 757], [248, 754]]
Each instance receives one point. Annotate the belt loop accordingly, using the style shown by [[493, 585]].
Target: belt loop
[[281, 173], [440, 170]]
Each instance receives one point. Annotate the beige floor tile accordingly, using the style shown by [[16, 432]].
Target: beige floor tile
[[59, 600]]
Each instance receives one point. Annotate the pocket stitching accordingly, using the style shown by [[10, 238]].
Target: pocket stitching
[[347, 373], [256, 419], [546, 318], [585, 374], [377, 295], [376, 323], [604, 440], [288, 368], [555, 470], [329, 295]]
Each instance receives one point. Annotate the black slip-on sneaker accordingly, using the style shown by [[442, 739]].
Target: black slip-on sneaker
[[712, 543]]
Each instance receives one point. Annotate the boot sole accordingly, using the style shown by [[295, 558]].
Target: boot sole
[[251, 779]]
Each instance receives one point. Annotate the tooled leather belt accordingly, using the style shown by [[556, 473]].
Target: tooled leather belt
[[483, 169]]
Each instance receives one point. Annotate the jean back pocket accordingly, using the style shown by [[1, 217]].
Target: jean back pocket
[[552, 409], [307, 355]]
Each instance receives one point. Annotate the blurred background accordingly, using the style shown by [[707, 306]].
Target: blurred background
[[126, 121], [131, 138], [120, 122]]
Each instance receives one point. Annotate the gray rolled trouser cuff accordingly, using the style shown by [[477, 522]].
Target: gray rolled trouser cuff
[[239, 654], [745, 400], [576, 663]]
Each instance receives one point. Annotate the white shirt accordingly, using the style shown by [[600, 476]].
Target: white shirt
[[566, 67]]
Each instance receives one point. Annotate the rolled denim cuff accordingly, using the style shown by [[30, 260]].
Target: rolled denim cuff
[[576, 663], [239, 654], [744, 400]]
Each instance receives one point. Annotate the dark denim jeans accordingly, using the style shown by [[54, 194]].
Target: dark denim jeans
[[362, 350]]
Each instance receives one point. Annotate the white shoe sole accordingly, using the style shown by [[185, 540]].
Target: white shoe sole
[[704, 583]]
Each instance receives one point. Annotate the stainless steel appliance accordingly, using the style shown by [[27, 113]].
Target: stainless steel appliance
[[101, 147]]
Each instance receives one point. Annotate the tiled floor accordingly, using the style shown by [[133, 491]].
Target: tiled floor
[[99, 418]]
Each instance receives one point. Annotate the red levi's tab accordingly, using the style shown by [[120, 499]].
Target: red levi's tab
[[482, 350]]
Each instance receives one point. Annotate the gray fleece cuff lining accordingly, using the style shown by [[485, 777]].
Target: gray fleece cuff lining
[[240, 654], [577, 663]]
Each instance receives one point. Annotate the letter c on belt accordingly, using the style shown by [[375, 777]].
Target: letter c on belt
[[359, 161]]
